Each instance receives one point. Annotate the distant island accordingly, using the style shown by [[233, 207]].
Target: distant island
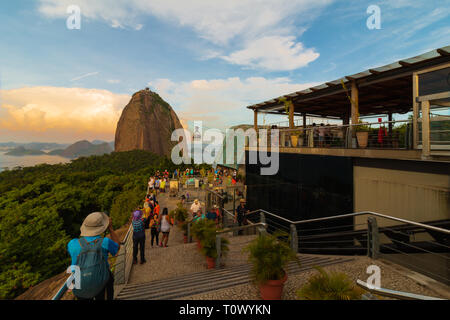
[[21, 151], [82, 148]]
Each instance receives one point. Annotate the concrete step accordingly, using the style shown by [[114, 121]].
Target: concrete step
[[210, 280]]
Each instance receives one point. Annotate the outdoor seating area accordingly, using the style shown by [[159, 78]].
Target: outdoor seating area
[[401, 106]]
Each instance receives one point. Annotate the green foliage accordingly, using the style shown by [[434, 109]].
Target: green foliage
[[180, 213], [124, 204], [361, 127], [43, 207], [209, 245], [201, 227], [333, 286], [269, 256]]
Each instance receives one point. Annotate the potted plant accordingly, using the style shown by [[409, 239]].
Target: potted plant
[[296, 138], [333, 286], [209, 246], [269, 256], [183, 227], [180, 213], [199, 228], [362, 134]]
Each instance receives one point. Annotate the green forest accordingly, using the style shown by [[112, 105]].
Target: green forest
[[43, 207]]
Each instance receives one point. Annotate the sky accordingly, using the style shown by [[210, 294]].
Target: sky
[[207, 59]]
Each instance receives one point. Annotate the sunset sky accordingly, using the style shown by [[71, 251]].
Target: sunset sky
[[208, 59]]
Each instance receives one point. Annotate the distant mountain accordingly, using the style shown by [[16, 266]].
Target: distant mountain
[[97, 142], [34, 145], [22, 151], [9, 144], [83, 149], [44, 146]]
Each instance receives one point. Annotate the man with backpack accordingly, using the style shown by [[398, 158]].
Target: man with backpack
[[90, 253]]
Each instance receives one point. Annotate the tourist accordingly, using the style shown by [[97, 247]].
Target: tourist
[[196, 206], [165, 227], [138, 236], [157, 185], [198, 216], [322, 131], [156, 209], [93, 226], [151, 184], [147, 212], [240, 215], [214, 214], [154, 229], [162, 185]]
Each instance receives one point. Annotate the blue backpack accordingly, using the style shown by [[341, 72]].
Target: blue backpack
[[94, 271]]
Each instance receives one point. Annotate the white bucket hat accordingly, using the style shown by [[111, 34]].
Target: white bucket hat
[[95, 224]]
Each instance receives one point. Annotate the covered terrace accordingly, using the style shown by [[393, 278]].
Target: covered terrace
[[416, 91]]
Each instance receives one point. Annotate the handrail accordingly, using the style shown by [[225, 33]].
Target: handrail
[[393, 293], [238, 228], [63, 289], [354, 214]]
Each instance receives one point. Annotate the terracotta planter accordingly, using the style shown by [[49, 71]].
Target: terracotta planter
[[362, 137], [272, 289], [294, 141], [211, 262]]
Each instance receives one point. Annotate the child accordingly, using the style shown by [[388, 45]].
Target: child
[[154, 229]]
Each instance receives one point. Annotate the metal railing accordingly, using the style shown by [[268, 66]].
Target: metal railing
[[123, 263], [396, 134], [393, 293], [121, 267], [422, 247]]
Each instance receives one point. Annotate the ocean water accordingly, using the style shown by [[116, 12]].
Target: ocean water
[[28, 161]]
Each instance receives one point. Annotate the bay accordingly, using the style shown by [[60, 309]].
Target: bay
[[28, 161]]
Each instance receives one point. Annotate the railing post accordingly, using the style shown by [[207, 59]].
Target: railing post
[[219, 250], [294, 238], [373, 240], [262, 217], [189, 232]]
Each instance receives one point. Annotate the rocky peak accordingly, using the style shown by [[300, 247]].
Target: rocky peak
[[146, 123]]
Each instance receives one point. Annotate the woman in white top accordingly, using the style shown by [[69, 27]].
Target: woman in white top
[[165, 224]]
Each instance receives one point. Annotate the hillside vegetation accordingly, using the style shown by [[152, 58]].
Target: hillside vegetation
[[42, 208]]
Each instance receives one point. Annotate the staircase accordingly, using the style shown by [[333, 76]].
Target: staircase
[[211, 280]]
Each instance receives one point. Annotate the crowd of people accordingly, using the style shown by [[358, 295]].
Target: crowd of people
[[91, 251], [149, 216]]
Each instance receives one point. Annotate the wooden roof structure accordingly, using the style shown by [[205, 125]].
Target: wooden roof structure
[[382, 90]]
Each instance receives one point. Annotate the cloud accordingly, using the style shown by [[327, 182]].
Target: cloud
[[84, 76], [76, 112], [273, 53], [221, 102], [231, 25], [113, 81]]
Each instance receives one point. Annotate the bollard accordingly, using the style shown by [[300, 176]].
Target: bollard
[[262, 217], [189, 232], [219, 250], [294, 238], [373, 238]]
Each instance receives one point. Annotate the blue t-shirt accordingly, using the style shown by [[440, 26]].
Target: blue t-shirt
[[211, 215], [108, 246]]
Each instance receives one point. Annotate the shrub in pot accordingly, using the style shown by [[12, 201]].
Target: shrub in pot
[[209, 246], [269, 255], [180, 213], [199, 228], [362, 135], [333, 286]]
